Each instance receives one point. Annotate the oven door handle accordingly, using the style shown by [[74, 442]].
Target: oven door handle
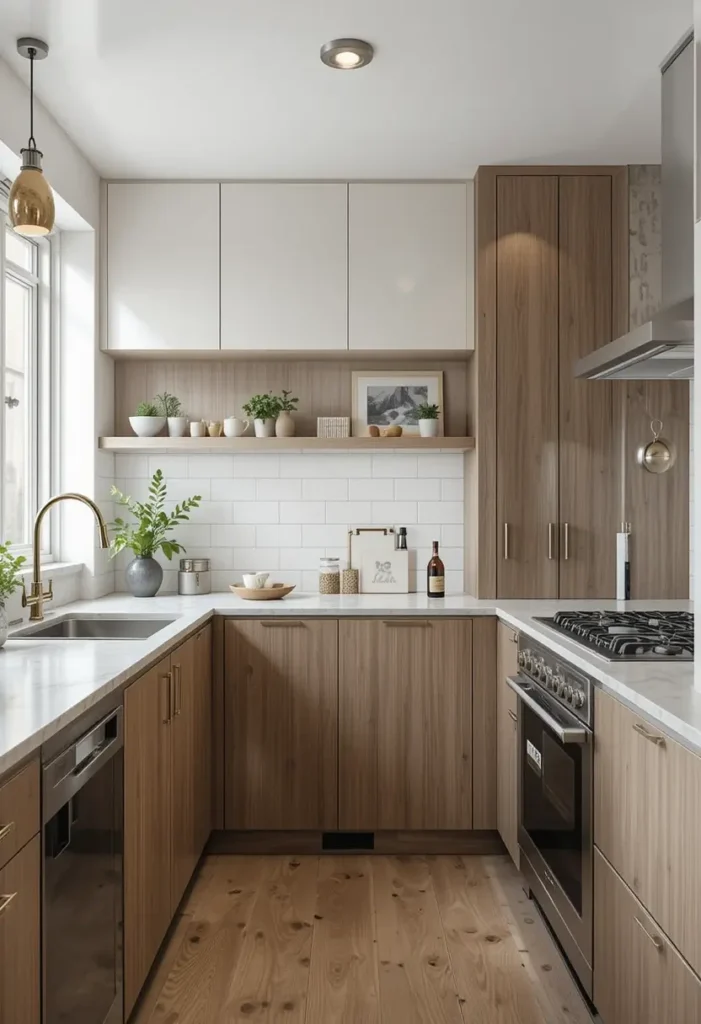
[[565, 733]]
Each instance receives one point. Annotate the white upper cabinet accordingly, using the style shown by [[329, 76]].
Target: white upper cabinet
[[284, 267], [410, 267], [162, 266]]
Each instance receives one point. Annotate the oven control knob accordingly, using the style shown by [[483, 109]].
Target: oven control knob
[[558, 683], [528, 660], [578, 698], [521, 659], [548, 676], [538, 668], [566, 692]]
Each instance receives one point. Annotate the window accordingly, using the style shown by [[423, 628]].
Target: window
[[25, 414]]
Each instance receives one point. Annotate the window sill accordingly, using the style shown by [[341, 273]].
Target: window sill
[[54, 569]]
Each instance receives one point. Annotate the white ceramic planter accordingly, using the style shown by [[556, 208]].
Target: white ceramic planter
[[177, 426], [285, 424], [264, 428], [147, 426], [428, 428]]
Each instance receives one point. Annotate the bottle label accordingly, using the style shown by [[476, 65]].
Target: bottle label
[[436, 584]]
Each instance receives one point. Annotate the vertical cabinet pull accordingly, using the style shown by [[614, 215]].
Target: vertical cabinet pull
[[6, 900], [512, 715], [567, 540], [6, 829], [551, 541], [506, 542], [167, 678], [177, 691]]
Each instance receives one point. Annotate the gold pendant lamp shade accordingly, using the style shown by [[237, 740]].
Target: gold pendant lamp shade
[[31, 201]]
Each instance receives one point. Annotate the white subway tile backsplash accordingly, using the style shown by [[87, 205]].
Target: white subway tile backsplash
[[352, 513], [191, 534], [326, 536], [264, 465], [256, 559], [185, 487], [233, 489], [410, 490], [308, 466], [373, 489], [214, 466], [440, 512], [394, 513], [278, 490], [283, 536], [301, 558], [211, 512], [452, 535], [131, 466], [231, 536], [391, 465], [441, 465], [302, 511], [170, 465], [452, 489], [321, 489], [256, 512], [310, 581]]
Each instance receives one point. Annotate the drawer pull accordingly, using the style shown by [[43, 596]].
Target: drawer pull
[[6, 829], [5, 901], [420, 623], [289, 624], [659, 741], [654, 939], [512, 715], [513, 639]]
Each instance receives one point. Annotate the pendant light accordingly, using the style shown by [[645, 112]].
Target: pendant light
[[31, 199]]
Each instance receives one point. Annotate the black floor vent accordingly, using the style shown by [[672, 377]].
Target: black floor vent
[[348, 841]]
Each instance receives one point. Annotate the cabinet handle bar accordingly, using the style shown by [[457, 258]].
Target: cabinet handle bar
[[659, 741], [506, 542], [567, 541], [291, 624], [654, 939], [420, 623], [5, 901], [512, 715], [6, 829]]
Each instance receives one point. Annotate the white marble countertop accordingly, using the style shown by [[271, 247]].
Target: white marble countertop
[[46, 684]]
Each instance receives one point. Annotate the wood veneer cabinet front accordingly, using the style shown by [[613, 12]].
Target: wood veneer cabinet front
[[20, 937], [405, 724], [507, 741], [280, 708], [639, 977], [646, 819]]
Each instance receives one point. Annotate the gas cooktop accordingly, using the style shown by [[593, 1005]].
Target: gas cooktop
[[629, 636]]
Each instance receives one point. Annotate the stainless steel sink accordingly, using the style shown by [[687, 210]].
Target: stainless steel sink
[[93, 627]]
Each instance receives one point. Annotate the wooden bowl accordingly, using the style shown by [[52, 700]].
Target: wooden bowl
[[274, 593]]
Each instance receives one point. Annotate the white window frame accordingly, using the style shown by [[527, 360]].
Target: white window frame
[[42, 439]]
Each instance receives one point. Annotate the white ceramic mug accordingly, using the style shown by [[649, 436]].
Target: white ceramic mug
[[234, 427], [198, 428], [255, 580]]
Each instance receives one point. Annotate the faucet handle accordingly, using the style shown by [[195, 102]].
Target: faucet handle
[[25, 603], [49, 594]]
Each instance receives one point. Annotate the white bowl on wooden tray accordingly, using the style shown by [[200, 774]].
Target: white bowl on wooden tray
[[273, 592]]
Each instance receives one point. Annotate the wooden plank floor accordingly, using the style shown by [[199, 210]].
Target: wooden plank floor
[[359, 940]]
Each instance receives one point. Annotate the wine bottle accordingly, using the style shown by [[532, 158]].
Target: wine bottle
[[435, 573]]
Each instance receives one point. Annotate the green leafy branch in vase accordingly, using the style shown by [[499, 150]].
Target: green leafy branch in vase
[[149, 533]]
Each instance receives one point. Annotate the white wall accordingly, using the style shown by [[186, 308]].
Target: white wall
[[282, 513]]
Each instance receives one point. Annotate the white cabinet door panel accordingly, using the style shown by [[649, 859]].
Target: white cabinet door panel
[[408, 266], [284, 271], [162, 266]]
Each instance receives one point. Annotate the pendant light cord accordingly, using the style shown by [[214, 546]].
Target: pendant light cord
[[32, 140]]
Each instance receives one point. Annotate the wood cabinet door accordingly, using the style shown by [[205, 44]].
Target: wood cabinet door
[[639, 977], [20, 937], [507, 741], [280, 742], [407, 269], [646, 819], [191, 752], [163, 266], [148, 908], [590, 454], [284, 266], [405, 724], [527, 382]]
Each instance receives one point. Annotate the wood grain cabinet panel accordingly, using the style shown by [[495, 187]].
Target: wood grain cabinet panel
[[589, 446], [280, 706], [646, 819], [639, 977], [507, 741], [148, 822], [526, 390], [20, 816], [20, 937], [405, 724]]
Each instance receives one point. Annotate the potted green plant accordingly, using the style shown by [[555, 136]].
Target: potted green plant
[[428, 419], [263, 410], [172, 410], [10, 569], [284, 424], [149, 534], [147, 421]]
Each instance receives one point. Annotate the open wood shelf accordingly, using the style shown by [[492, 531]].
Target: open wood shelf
[[192, 445]]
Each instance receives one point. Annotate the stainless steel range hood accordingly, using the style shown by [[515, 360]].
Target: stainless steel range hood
[[663, 348]]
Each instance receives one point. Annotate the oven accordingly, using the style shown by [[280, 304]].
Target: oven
[[555, 792]]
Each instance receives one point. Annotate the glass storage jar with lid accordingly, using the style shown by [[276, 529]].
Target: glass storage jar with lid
[[330, 576]]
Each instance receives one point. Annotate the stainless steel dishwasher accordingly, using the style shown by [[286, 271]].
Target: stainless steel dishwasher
[[82, 871]]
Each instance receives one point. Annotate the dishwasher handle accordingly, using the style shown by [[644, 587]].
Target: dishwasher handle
[[71, 770]]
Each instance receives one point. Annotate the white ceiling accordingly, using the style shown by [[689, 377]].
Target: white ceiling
[[235, 88]]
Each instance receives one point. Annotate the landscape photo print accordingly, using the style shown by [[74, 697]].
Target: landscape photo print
[[392, 399]]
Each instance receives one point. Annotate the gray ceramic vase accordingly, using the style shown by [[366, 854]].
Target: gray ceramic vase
[[144, 576]]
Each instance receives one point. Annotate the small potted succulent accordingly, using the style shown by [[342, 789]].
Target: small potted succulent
[[427, 415], [148, 420], [263, 410], [149, 534], [172, 409], [284, 424], [10, 569]]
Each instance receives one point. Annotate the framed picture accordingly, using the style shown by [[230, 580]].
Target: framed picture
[[391, 397]]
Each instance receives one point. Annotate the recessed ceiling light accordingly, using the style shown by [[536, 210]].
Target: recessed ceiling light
[[346, 54]]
